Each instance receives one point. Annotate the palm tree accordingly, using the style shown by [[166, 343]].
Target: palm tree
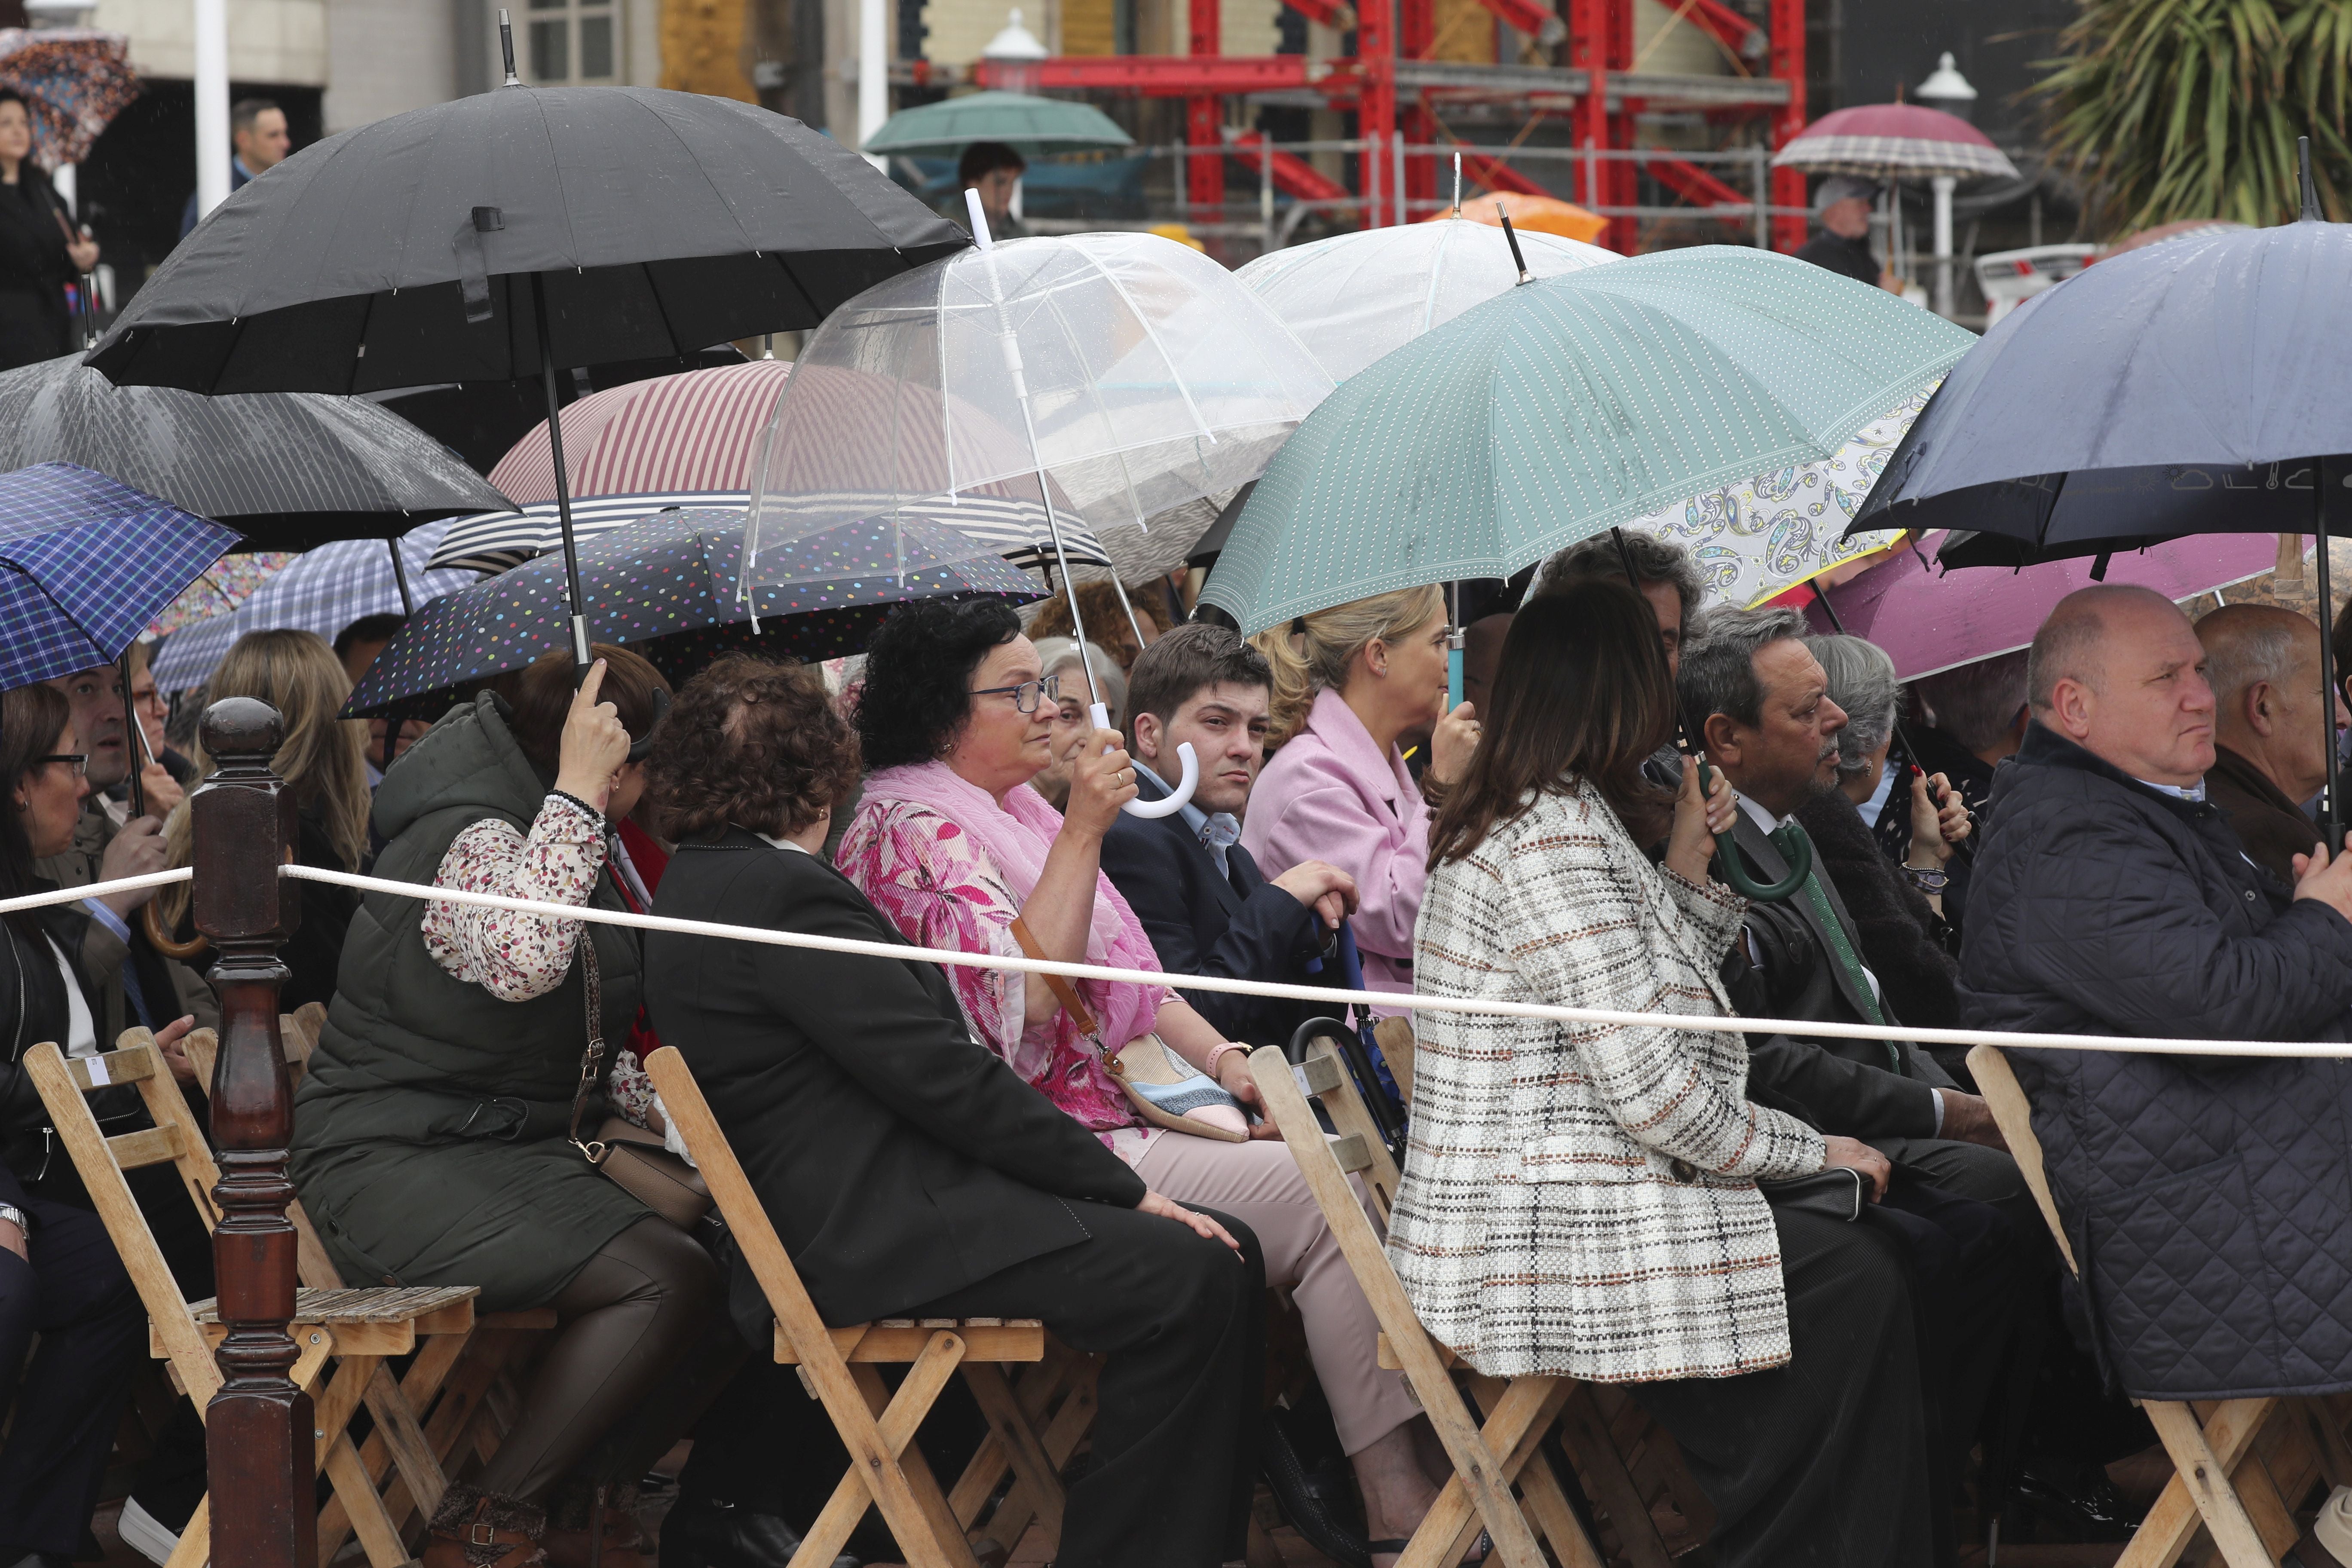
[[2188, 108]]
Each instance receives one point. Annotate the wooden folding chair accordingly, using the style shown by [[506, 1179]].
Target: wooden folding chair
[[355, 1329], [441, 1413], [1488, 1460], [837, 1367], [2240, 1466]]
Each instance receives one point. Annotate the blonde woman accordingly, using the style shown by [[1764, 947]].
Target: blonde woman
[[1348, 681], [324, 762]]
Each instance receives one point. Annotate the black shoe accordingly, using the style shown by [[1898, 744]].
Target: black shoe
[[1318, 1503], [705, 1533], [2079, 1500]]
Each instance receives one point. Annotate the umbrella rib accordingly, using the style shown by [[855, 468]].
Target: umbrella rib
[[1153, 334]]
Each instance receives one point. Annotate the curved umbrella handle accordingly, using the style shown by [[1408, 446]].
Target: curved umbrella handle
[[1794, 847], [1184, 786]]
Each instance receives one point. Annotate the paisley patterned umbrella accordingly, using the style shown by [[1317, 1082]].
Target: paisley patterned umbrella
[[73, 80], [666, 586], [226, 583], [1765, 535]]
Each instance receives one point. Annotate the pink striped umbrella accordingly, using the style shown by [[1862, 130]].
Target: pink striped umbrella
[[695, 431], [1897, 140]]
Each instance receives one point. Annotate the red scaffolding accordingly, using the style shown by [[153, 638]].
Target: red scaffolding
[[1393, 86]]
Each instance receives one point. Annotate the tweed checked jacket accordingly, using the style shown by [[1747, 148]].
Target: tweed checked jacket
[[1579, 1199]]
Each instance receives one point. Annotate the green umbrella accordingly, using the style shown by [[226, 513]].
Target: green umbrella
[[1566, 407], [1028, 125]]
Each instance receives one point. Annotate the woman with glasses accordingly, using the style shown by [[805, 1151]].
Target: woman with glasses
[[59, 1277], [955, 848]]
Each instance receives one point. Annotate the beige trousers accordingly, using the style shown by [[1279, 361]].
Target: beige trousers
[[1258, 1183]]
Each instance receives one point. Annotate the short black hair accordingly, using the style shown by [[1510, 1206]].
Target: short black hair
[[1169, 673], [368, 628], [245, 110], [918, 675], [983, 158], [10, 95]]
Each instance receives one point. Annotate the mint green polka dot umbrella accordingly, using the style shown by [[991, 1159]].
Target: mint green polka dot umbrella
[[1566, 407]]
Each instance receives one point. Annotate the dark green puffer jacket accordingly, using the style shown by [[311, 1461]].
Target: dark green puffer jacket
[[429, 1143]]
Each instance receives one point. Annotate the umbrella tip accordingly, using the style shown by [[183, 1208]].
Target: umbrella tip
[[506, 48], [2303, 169], [1457, 185], [979, 219], [1511, 236]]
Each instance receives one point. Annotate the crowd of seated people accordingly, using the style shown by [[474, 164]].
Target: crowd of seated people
[[1810, 1259]]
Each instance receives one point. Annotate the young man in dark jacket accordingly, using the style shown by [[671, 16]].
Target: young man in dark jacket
[[1202, 899], [2207, 1198]]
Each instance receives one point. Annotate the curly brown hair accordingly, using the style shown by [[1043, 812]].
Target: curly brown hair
[[754, 743]]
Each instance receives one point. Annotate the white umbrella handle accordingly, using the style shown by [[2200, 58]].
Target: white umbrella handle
[[1174, 803]]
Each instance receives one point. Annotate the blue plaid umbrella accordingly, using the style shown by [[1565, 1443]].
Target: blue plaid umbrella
[[86, 561]]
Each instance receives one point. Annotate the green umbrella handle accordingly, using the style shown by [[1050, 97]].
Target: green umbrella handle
[[1790, 841]]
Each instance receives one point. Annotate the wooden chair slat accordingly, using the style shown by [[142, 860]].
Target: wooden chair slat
[[116, 1066], [148, 1146], [866, 1345]]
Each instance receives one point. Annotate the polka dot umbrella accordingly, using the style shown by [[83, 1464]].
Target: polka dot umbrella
[[666, 586]]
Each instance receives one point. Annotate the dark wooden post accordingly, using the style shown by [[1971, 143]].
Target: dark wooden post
[[258, 1439]]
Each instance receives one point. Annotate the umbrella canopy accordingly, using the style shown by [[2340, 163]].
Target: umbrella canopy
[[1928, 620], [2177, 389], [289, 470], [1028, 124], [671, 434], [75, 82], [1106, 376], [225, 584], [1564, 408], [482, 420], [1531, 215], [1765, 535], [1898, 141], [499, 540], [323, 591], [667, 586], [86, 561], [1355, 296], [427, 247]]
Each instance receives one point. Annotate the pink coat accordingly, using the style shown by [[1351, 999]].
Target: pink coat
[[1329, 794]]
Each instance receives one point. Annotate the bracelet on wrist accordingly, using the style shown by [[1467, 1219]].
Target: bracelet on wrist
[[1928, 879], [1217, 1054]]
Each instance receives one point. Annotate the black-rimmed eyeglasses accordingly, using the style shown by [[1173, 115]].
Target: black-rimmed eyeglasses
[[77, 761], [1028, 694]]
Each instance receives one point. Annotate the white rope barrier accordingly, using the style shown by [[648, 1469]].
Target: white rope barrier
[[1393, 999], [95, 889]]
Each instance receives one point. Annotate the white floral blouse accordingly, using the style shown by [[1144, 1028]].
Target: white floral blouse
[[515, 956]]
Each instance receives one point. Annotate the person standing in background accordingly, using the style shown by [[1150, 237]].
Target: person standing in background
[[1842, 205], [258, 141], [41, 251], [994, 171]]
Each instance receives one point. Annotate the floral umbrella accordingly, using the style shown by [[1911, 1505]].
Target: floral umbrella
[[226, 583], [73, 80]]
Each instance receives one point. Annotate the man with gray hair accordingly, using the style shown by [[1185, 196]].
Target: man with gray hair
[[2269, 744], [2207, 1198], [1843, 204]]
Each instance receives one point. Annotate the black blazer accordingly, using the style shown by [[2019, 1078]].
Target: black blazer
[[900, 1159], [1847, 1086], [1201, 922]]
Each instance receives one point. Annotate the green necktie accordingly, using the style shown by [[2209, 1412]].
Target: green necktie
[[1848, 960]]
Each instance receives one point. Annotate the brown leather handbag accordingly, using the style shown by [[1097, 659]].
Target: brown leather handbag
[[632, 1155]]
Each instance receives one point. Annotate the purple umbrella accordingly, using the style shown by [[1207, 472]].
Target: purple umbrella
[[1930, 620]]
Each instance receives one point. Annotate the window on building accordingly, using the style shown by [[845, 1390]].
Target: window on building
[[574, 41]]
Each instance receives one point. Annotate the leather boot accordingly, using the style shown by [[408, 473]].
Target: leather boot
[[621, 1545], [475, 1528], [705, 1533]]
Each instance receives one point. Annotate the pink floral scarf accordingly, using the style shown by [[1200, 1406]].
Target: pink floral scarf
[[1017, 836]]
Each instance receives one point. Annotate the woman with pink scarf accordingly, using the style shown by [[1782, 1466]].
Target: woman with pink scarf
[[952, 845]]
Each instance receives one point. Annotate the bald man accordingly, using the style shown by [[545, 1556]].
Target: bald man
[[2208, 1199], [2269, 743]]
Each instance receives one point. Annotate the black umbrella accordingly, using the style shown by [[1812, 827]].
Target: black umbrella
[[289, 470], [516, 232], [2195, 386], [482, 421]]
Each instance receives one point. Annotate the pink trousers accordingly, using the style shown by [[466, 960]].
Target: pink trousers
[[1258, 1183]]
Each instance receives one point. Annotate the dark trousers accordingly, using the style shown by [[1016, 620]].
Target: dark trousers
[[1821, 1463], [1181, 1321], [77, 1296]]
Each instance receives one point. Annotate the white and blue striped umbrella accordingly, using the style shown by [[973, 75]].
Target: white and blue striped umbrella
[[323, 591], [495, 540], [86, 561]]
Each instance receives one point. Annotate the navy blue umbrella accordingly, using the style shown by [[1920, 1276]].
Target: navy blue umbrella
[[2195, 386], [666, 585], [86, 561]]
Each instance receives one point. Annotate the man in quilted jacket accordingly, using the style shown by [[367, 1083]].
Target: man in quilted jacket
[[2208, 1199]]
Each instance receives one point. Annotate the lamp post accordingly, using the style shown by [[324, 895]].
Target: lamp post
[[1947, 89], [1014, 52]]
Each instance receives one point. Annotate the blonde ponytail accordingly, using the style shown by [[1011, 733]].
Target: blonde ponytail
[[1314, 652]]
